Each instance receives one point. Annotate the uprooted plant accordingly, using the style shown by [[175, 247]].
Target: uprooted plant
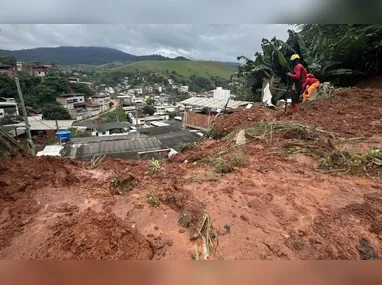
[[152, 198], [95, 162], [154, 166], [342, 160], [226, 160]]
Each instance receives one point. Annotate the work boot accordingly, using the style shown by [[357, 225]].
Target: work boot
[[296, 108]]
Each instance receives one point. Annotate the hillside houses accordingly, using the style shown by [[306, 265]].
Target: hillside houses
[[80, 108]]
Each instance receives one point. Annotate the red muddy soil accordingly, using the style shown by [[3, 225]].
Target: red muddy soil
[[273, 205], [351, 113]]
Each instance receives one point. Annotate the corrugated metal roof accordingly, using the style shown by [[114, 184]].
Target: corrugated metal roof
[[107, 138], [115, 148], [213, 103]]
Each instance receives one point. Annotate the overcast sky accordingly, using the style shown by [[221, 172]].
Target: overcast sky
[[203, 42]]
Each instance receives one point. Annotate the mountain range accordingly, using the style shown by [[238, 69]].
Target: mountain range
[[68, 55]]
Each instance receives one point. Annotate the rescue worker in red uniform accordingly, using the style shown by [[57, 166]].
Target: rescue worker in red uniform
[[304, 82]]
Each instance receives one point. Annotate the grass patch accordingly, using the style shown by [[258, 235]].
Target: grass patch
[[95, 162], [346, 161], [152, 199], [154, 166], [225, 161], [215, 134]]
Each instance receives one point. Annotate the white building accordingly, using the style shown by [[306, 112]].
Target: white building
[[103, 100], [183, 88], [160, 110], [221, 94], [8, 107]]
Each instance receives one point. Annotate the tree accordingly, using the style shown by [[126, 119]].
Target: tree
[[149, 110], [8, 120], [7, 87], [8, 60], [82, 88], [45, 94], [55, 112], [150, 101], [57, 81], [118, 115]]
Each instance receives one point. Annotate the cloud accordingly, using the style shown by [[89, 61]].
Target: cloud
[[205, 42]]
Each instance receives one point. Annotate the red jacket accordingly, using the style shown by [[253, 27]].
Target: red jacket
[[303, 76]]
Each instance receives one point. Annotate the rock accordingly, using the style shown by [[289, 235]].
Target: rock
[[185, 219], [185, 162], [72, 178], [156, 228], [240, 138], [181, 231], [169, 242], [244, 217], [234, 216]]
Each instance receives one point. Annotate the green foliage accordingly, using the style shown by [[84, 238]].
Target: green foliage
[[8, 120], [45, 94], [55, 112], [7, 87], [152, 198], [8, 60], [149, 110], [77, 133], [56, 81], [154, 166], [117, 115], [82, 88], [340, 53], [150, 101]]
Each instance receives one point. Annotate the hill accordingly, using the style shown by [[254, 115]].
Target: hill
[[205, 69], [77, 55]]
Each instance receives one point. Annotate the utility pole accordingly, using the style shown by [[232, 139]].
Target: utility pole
[[25, 116]]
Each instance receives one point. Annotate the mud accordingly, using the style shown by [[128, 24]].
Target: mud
[[275, 205], [352, 112], [91, 235]]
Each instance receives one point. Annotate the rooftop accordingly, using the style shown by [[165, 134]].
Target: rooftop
[[45, 125], [70, 95], [214, 103], [130, 136], [112, 125], [112, 148]]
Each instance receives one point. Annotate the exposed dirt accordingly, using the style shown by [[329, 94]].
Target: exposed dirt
[[351, 112], [276, 204]]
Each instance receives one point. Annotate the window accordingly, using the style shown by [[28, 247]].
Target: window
[[104, 133]]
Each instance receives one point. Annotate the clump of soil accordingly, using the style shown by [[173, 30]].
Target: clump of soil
[[91, 235]]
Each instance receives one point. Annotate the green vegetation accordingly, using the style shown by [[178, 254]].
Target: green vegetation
[[186, 69], [82, 88], [77, 133], [152, 199], [337, 53], [117, 115], [8, 60], [154, 166], [55, 112], [149, 110], [8, 120]]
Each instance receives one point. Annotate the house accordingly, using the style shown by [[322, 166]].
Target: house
[[92, 108], [38, 69], [8, 107], [8, 70], [74, 103], [221, 94], [146, 120], [103, 100], [160, 110], [183, 89], [113, 128]]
